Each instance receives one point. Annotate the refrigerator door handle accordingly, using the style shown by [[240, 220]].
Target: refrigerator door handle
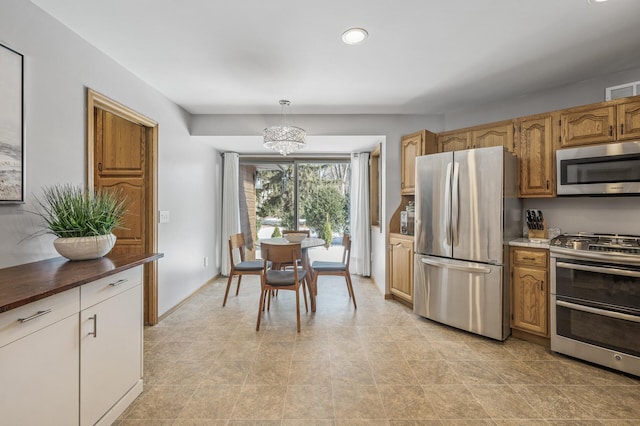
[[472, 269], [447, 204], [455, 203]]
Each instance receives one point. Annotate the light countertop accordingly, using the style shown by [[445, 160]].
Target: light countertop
[[526, 242]]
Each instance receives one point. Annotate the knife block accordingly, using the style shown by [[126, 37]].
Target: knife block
[[539, 233]]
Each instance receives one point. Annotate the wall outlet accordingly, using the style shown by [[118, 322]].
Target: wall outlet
[[206, 261], [164, 216]]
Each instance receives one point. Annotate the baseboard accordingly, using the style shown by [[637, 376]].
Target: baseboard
[[112, 415], [533, 338], [189, 297]]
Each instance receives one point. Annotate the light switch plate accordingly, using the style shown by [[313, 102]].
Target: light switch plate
[[164, 216]]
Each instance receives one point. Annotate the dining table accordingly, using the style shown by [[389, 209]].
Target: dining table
[[305, 245]]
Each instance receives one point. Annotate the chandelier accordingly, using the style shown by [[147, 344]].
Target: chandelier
[[285, 139]]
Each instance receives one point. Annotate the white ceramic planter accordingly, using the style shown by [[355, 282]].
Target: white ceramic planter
[[82, 248]]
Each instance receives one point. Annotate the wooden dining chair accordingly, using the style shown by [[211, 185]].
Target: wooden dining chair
[[319, 267], [293, 231], [244, 267], [277, 279]]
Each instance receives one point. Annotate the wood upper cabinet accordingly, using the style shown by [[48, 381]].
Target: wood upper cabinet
[[454, 141], [530, 290], [628, 119], [537, 169], [412, 146], [401, 266], [496, 135], [588, 125]]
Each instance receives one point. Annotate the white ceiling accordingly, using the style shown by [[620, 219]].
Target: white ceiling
[[422, 56]]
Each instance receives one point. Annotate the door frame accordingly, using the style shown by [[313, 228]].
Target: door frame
[[95, 101]]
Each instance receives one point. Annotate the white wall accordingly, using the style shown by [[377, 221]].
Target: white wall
[[391, 126], [59, 66]]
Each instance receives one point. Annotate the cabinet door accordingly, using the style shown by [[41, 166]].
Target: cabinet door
[[454, 141], [110, 352], [493, 136], [39, 377], [401, 268], [588, 126], [412, 146], [537, 171], [530, 290], [629, 120]]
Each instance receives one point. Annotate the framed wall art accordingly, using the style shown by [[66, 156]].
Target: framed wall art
[[12, 177]]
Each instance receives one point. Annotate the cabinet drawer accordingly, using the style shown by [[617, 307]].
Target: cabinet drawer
[[20, 322], [104, 288], [530, 257]]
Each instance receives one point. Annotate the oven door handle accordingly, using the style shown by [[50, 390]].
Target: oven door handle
[[604, 270], [589, 309]]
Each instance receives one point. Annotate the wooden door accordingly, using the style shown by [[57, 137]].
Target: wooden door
[[629, 120], [122, 147], [412, 146], [119, 154], [589, 125], [536, 157]]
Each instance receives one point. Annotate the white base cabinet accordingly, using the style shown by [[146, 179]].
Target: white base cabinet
[[39, 377], [74, 358], [110, 353]]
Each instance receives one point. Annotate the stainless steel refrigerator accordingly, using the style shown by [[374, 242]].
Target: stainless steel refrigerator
[[467, 210]]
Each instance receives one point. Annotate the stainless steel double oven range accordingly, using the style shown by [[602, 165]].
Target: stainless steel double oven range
[[595, 299]]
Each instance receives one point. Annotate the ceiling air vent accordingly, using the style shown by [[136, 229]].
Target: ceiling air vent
[[622, 91]]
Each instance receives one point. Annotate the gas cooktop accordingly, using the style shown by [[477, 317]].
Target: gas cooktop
[[626, 244]]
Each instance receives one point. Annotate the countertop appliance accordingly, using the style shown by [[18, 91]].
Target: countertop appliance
[[609, 169], [595, 299], [466, 212]]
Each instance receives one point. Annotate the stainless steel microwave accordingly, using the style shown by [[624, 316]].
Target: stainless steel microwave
[[609, 169]]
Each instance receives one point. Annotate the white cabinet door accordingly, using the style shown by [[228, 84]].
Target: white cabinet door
[[39, 377], [110, 352]]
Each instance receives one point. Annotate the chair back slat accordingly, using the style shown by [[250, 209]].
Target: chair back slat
[[281, 253], [236, 241]]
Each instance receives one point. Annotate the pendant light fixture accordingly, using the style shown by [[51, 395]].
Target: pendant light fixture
[[284, 138]]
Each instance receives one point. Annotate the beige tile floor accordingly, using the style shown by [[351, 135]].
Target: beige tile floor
[[379, 365]]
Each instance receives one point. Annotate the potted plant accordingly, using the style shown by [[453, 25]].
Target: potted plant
[[82, 219]]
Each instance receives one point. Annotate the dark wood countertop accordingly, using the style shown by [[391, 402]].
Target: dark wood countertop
[[23, 284]]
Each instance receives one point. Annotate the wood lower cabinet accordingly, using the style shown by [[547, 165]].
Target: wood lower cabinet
[[401, 266], [412, 146], [530, 290], [537, 167]]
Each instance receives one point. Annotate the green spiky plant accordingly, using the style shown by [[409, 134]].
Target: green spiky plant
[[71, 211]]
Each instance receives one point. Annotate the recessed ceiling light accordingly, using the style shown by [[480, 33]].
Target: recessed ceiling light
[[596, 1], [354, 35]]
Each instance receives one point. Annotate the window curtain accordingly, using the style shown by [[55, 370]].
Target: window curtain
[[230, 206], [360, 217]]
